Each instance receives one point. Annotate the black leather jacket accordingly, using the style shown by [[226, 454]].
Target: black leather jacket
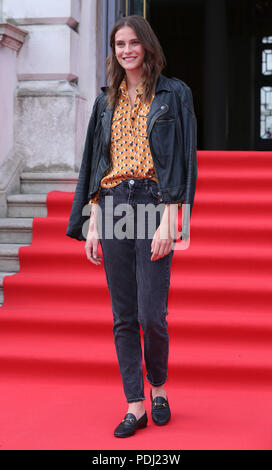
[[172, 134]]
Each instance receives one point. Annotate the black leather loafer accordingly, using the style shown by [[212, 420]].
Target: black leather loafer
[[129, 424], [160, 410]]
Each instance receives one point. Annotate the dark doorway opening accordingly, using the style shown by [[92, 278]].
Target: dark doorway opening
[[216, 47], [179, 27]]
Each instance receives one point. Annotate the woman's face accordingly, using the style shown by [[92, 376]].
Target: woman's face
[[128, 49]]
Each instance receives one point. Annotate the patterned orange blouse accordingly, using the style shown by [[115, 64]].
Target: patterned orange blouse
[[130, 153]]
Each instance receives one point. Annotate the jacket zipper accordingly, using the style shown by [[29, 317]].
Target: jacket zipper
[[98, 159], [157, 116], [152, 124], [93, 192]]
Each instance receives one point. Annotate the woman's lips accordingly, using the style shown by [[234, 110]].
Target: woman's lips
[[129, 59]]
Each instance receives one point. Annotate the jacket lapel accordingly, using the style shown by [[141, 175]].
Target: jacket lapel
[[106, 124]]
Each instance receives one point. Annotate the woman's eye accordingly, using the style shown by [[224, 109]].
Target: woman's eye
[[120, 44]]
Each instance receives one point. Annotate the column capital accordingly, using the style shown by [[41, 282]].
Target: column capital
[[11, 36]]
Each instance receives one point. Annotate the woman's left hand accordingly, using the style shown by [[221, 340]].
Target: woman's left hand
[[162, 242], [163, 238]]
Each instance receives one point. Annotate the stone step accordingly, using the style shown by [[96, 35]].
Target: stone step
[[42, 183], [16, 230], [2, 275], [9, 260], [27, 205]]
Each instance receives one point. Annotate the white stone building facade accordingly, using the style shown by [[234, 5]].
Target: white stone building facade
[[48, 82]]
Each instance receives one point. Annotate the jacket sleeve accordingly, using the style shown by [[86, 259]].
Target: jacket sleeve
[[189, 124], [77, 219]]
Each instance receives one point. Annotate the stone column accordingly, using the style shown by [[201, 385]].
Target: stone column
[[11, 40], [11, 162]]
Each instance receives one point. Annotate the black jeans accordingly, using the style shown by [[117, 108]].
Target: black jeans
[[138, 287]]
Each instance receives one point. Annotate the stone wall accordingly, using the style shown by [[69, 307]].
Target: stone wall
[[56, 81]]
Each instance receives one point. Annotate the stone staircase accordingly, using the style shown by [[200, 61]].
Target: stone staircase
[[16, 228]]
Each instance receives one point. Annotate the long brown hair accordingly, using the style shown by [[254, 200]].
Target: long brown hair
[[154, 59]]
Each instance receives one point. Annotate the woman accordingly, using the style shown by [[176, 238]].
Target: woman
[[140, 150]]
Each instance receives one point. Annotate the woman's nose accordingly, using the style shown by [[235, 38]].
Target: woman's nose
[[127, 48]]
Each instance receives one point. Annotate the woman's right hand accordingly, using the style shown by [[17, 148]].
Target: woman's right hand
[[92, 240]]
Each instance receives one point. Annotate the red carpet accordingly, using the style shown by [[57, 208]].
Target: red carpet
[[60, 382]]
